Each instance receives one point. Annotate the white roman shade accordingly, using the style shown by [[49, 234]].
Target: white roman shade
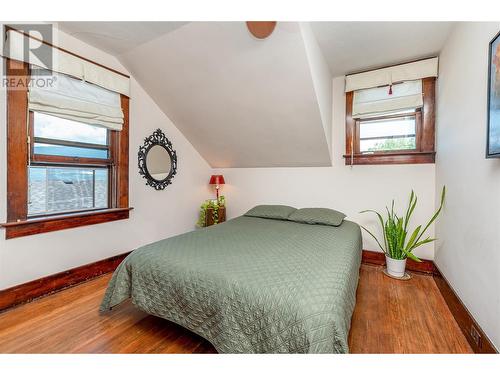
[[393, 74], [77, 100], [402, 96], [67, 63]]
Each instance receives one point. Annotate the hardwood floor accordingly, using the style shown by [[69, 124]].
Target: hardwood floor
[[390, 317], [393, 316]]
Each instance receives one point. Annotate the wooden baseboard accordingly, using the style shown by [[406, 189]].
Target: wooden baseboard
[[374, 257], [38, 288], [472, 331]]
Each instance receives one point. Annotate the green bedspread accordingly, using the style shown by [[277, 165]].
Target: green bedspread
[[250, 285]]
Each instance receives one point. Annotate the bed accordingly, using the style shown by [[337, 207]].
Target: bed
[[250, 285]]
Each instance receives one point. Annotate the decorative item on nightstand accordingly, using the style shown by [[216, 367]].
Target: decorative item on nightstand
[[217, 180], [212, 211]]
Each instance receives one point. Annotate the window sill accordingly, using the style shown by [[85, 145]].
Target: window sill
[[415, 157], [59, 222]]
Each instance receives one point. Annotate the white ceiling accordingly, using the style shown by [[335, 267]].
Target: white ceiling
[[244, 102], [241, 102], [353, 46], [118, 37], [347, 46]]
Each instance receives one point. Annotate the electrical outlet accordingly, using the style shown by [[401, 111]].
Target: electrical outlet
[[476, 336]]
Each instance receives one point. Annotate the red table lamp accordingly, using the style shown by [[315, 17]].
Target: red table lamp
[[217, 180]]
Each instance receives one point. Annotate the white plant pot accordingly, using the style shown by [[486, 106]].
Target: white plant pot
[[395, 267]]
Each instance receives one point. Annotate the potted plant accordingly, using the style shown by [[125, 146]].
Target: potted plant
[[396, 244], [210, 207]]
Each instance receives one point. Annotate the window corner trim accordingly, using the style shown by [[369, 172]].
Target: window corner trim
[[418, 157], [29, 227]]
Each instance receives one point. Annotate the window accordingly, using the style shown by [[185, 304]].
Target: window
[[391, 137], [69, 166], [70, 172], [395, 132]]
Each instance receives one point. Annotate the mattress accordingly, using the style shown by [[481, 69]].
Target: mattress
[[250, 285]]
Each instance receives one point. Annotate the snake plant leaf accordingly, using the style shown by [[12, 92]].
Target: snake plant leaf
[[411, 208], [390, 215], [413, 238], [436, 214], [400, 234], [375, 238], [420, 243], [413, 257], [381, 220], [409, 205]]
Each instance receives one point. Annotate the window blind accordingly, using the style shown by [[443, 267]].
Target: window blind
[[400, 97], [77, 100], [69, 64], [393, 74]]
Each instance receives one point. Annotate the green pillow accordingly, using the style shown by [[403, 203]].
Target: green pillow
[[323, 216], [271, 211]]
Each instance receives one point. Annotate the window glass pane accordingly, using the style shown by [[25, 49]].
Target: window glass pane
[[83, 152], [47, 126], [37, 192], [387, 134], [61, 189], [101, 188]]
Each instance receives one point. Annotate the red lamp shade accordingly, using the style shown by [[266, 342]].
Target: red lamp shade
[[217, 179]]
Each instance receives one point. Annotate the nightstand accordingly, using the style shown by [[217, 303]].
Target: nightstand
[[209, 217]]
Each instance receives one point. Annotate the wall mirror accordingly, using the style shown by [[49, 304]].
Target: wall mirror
[[157, 160]]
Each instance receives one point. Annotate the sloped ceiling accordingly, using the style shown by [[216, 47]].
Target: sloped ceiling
[[117, 37], [244, 102], [354, 46]]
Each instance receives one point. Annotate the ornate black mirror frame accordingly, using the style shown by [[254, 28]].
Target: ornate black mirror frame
[[158, 138]]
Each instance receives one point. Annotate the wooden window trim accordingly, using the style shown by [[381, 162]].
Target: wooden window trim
[[18, 224], [418, 127], [58, 222], [425, 139]]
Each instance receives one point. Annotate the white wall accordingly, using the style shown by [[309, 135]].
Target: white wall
[[231, 94], [156, 214], [321, 77], [341, 187], [468, 254]]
